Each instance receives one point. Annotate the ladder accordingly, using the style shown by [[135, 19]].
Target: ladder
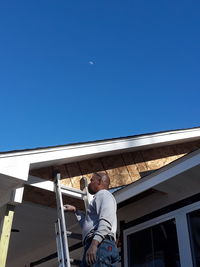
[[60, 225]]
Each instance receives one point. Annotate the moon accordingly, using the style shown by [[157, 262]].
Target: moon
[[91, 62]]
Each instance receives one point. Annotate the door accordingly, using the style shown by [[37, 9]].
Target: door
[[155, 246]]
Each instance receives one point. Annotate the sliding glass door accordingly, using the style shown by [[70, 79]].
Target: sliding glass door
[[156, 246], [194, 226]]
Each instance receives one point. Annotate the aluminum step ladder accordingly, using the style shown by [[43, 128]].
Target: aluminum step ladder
[[60, 225]]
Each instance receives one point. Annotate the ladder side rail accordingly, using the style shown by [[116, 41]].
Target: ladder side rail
[[87, 197], [60, 251], [61, 216]]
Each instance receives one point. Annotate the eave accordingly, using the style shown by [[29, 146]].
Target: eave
[[43, 157], [15, 166]]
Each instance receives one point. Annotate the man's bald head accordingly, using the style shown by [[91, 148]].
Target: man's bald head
[[99, 181], [104, 178]]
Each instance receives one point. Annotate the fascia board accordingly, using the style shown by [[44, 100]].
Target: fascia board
[[17, 164], [160, 176], [49, 154]]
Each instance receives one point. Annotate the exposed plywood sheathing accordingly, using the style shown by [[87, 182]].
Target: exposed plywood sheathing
[[73, 171], [117, 170], [122, 168], [131, 168]]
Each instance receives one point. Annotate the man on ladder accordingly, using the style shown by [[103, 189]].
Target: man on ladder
[[99, 224]]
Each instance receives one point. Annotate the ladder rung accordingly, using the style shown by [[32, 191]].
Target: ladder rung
[[72, 189], [73, 192]]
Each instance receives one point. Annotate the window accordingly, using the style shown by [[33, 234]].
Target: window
[[194, 225], [156, 246]]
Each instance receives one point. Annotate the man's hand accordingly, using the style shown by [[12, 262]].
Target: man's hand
[[91, 254], [69, 208]]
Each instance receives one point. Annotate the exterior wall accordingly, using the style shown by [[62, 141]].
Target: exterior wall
[[149, 204], [181, 197]]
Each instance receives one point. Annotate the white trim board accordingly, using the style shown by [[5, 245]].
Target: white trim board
[[17, 164], [116, 144]]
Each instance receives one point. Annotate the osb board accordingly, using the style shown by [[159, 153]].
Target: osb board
[[132, 167], [117, 170], [48, 198], [139, 162], [88, 167], [157, 158], [73, 171], [122, 168]]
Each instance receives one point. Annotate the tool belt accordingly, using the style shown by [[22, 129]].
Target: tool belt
[[89, 238]]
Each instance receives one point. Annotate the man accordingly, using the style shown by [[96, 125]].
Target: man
[[99, 224]]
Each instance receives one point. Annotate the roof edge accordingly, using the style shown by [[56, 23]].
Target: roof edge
[[187, 132]]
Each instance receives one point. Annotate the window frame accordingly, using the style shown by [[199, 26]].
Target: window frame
[[182, 229]]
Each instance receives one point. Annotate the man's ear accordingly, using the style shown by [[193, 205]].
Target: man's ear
[[99, 182]]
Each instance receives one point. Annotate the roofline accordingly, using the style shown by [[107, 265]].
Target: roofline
[[190, 132], [159, 176], [18, 164]]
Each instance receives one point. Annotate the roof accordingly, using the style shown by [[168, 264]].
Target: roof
[[15, 165], [103, 140]]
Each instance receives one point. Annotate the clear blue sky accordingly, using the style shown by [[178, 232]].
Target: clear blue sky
[[145, 77]]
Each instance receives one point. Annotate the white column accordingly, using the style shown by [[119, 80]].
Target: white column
[[183, 240]]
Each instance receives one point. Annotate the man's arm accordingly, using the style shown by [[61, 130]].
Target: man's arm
[[69, 208], [91, 254], [80, 215]]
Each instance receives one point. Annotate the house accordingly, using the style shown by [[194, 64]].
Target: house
[[154, 178]]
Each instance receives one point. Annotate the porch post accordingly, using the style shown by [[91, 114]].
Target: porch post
[[5, 234]]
